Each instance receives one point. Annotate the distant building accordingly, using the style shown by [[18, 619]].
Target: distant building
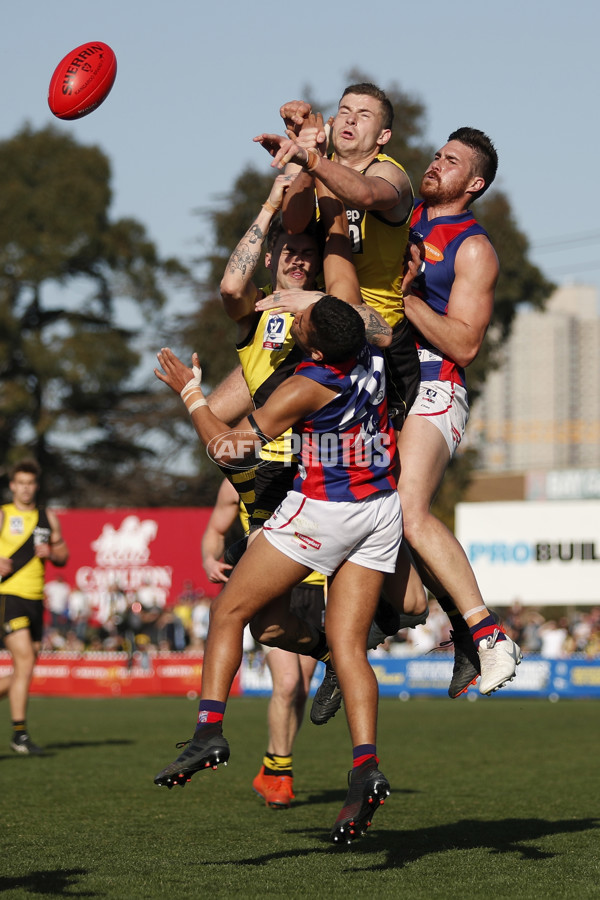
[[541, 410]]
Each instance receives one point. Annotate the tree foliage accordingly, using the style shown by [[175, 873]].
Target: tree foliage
[[67, 392]]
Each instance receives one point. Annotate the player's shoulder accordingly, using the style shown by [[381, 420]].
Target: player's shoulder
[[386, 166], [477, 243], [386, 159], [476, 253]]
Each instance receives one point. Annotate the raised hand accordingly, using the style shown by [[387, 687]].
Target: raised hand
[[278, 189], [293, 113], [175, 374], [282, 149]]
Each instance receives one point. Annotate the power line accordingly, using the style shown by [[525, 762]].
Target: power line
[[586, 237], [574, 268]]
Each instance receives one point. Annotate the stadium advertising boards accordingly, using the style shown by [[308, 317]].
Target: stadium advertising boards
[[540, 553], [134, 548]]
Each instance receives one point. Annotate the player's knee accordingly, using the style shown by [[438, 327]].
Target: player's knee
[[285, 687], [413, 522]]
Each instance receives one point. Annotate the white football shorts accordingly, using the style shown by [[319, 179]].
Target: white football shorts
[[321, 534], [446, 406]]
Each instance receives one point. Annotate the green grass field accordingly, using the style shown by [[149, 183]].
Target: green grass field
[[498, 798]]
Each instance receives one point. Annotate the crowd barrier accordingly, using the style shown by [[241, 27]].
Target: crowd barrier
[[429, 676], [96, 675], [180, 675]]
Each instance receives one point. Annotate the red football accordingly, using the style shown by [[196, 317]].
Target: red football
[[82, 80]]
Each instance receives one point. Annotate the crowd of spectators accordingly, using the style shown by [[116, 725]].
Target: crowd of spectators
[[145, 621], [577, 632], [120, 621]]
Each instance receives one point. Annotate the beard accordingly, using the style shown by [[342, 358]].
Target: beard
[[432, 191]]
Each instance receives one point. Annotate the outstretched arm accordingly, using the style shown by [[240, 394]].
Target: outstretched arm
[[289, 403], [383, 187], [310, 132], [338, 269], [238, 291]]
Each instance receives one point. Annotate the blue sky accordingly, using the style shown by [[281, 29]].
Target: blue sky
[[196, 83]]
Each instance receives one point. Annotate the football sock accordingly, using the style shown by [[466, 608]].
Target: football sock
[[19, 727], [210, 711], [320, 650], [362, 753], [484, 629], [277, 765], [456, 620], [243, 481]]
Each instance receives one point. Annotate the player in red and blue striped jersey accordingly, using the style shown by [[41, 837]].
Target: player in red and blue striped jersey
[[352, 541], [357, 422], [450, 305]]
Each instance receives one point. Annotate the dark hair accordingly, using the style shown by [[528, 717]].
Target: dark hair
[[336, 329], [276, 230], [30, 466], [371, 90], [274, 233], [486, 157]]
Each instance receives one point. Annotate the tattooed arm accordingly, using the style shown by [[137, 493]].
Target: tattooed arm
[[377, 330], [238, 292]]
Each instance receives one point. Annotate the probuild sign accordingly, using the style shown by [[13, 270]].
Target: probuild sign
[[541, 553]]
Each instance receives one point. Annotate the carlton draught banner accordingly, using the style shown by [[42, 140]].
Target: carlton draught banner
[[133, 548]]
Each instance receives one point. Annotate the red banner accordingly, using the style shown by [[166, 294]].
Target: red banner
[[110, 675], [134, 548]]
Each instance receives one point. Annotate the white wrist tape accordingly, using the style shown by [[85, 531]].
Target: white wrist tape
[[192, 388], [193, 383], [196, 404]]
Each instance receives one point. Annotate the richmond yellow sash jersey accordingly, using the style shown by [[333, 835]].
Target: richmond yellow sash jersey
[[268, 356], [378, 249], [19, 532]]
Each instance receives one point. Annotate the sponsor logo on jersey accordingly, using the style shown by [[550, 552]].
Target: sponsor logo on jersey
[[355, 217], [432, 254], [306, 542]]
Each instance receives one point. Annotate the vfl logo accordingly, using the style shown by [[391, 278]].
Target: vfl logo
[[237, 449], [126, 545], [274, 333], [432, 254], [16, 525]]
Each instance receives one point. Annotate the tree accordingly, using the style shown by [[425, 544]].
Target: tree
[[67, 385]]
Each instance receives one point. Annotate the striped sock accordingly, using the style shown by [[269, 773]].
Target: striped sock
[[277, 765], [320, 650], [210, 711], [362, 753], [484, 629]]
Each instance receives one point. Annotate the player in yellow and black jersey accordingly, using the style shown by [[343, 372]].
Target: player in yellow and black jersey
[[29, 536], [266, 350], [378, 197]]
